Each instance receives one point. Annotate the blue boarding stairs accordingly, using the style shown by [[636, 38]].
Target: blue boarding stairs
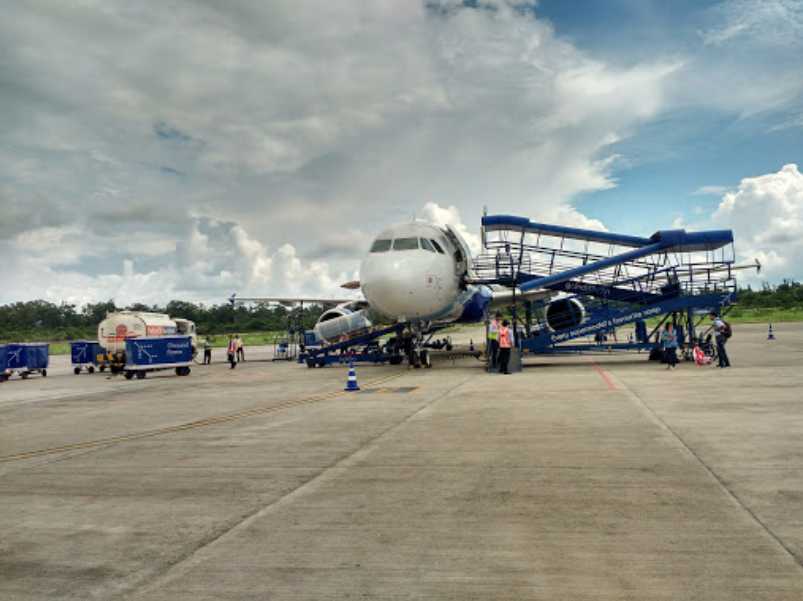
[[596, 282]]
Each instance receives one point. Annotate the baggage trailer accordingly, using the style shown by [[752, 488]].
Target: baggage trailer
[[87, 355], [157, 353], [26, 359], [3, 363]]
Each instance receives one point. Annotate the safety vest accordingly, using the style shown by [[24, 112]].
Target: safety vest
[[505, 339], [493, 330]]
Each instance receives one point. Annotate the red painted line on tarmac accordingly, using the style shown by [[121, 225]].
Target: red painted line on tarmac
[[605, 376]]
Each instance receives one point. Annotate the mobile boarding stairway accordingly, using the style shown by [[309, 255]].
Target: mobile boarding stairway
[[601, 281]]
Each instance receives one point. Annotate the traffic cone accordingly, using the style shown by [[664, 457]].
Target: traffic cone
[[770, 335], [351, 383]]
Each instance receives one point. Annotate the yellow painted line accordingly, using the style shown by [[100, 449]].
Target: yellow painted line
[[201, 423]]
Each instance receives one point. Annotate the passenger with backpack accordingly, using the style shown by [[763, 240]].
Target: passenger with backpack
[[723, 331]]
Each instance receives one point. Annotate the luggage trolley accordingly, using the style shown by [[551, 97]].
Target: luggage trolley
[[26, 359], [3, 363], [87, 355], [157, 353]]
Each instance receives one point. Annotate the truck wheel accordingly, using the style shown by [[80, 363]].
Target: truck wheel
[[102, 368], [187, 370], [76, 370], [141, 375], [44, 373], [24, 375], [128, 375], [91, 369]]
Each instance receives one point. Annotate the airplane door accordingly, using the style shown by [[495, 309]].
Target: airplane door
[[462, 254]]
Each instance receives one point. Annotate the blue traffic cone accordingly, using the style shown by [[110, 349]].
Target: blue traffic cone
[[770, 335], [351, 383]]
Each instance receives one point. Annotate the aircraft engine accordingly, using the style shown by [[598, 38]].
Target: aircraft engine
[[565, 313], [343, 319]]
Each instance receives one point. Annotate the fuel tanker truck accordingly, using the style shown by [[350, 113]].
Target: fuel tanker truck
[[126, 325]]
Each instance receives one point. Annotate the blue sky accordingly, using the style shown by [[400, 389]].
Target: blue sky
[[695, 144]]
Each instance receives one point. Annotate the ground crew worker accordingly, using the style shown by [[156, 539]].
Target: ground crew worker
[[231, 351], [493, 339], [505, 346], [240, 348], [721, 329], [207, 351]]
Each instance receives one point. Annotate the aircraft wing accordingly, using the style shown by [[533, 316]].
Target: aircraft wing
[[287, 301], [504, 296]]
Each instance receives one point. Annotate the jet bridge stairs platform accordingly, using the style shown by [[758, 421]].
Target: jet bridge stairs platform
[[599, 281]]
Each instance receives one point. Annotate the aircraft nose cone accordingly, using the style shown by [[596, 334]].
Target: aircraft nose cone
[[396, 289]]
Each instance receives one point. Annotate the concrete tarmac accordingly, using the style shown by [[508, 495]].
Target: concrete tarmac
[[604, 477]]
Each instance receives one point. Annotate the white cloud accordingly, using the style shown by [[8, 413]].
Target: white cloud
[[710, 190], [764, 22], [308, 124], [434, 213], [766, 214]]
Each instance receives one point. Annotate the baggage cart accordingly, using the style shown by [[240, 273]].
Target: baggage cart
[[157, 353], [87, 355], [3, 363], [26, 359]]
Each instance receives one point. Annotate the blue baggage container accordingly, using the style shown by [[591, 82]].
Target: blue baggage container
[[3, 363], [85, 354], [27, 358], [156, 353]]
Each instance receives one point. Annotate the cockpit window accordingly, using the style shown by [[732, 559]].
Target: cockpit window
[[380, 246], [437, 246], [405, 244], [427, 245]]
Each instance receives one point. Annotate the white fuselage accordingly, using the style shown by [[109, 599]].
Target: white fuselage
[[413, 272]]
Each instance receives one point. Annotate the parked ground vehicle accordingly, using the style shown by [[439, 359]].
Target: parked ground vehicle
[[25, 359], [156, 353], [87, 355], [121, 326]]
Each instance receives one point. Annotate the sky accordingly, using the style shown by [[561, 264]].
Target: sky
[[191, 149]]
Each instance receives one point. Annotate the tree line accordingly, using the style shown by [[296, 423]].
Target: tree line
[[788, 294], [41, 320]]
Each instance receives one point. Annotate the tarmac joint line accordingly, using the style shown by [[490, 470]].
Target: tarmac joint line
[[200, 423], [193, 557], [655, 418]]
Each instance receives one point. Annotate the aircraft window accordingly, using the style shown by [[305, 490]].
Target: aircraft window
[[405, 244], [437, 246], [427, 245], [380, 246]]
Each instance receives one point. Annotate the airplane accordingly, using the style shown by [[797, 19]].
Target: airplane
[[418, 274], [421, 275]]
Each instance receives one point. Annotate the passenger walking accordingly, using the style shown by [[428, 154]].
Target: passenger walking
[[493, 340], [722, 332], [669, 344], [207, 351], [231, 351], [240, 348], [505, 346]]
